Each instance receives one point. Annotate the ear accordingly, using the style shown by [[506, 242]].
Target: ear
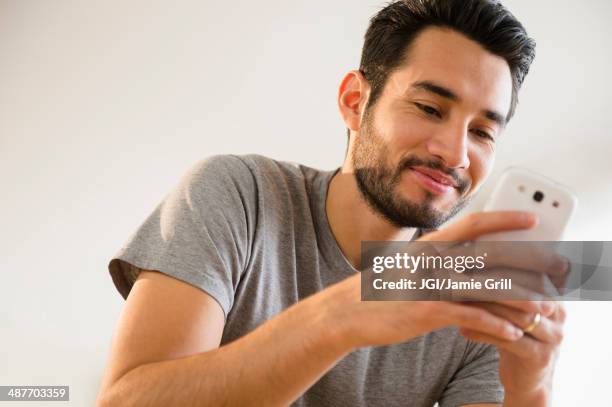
[[352, 98]]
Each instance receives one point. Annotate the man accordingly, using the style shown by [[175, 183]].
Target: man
[[243, 287]]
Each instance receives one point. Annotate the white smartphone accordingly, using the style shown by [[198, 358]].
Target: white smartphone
[[523, 190]]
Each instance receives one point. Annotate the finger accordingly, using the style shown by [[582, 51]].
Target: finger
[[525, 347], [560, 313], [528, 256], [477, 224], [481, 320], [532, 351], [466, 287], [532, 281], [497, 286], [546, 308], [560, 281], [525, 256], [547, 330], [476, 288]]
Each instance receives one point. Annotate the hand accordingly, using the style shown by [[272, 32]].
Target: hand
[[526, 366], [536, 270], [379, 323]]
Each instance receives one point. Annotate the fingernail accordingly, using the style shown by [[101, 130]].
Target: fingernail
[[513, 332], [547, 308], [530, 218], [561, 265]]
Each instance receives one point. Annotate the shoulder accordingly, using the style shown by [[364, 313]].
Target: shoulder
[[218, 181], [264, 167], [218, 174], [222, 165], [250, 178], [245, 166], [263, 172]]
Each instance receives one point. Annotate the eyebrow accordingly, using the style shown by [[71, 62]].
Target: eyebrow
[[446, 93]]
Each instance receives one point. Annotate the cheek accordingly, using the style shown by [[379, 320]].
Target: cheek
[[481, 164], [407, 130]]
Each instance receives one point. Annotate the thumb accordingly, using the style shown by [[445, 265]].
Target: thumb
[[477, 224]]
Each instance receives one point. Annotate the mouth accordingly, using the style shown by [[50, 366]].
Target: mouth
[[432, 180]]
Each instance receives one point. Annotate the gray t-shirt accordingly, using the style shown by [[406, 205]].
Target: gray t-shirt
[[253, 233]]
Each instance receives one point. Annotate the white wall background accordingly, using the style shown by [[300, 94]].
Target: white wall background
[[105, 104]]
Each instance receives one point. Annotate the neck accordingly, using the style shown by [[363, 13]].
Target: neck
[[352, 220]]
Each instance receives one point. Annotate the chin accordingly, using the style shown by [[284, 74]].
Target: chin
[[421, 196]]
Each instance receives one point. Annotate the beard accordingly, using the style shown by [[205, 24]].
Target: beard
[[377, 182]]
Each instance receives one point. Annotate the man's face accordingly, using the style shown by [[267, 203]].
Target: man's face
[[428, 143]]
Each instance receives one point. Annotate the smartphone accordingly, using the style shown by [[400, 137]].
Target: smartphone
[[524, 190]]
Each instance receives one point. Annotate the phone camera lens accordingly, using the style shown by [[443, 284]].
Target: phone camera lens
[[538, 196]]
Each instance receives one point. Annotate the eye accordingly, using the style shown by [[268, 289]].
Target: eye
[[483, 134], [431, 111]]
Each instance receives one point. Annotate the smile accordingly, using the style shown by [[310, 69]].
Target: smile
[[438, 187]]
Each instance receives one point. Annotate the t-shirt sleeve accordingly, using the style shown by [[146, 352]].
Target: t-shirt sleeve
[[477, 380], [200, 233]]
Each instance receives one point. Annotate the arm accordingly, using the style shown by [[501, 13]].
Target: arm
[[166, 348], [527, 365], [166, 351]]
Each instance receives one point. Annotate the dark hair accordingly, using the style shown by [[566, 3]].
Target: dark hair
[[394, 28]]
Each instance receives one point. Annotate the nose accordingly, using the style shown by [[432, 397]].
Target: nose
[[450, 145]]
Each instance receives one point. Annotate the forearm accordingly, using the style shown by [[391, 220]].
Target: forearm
[[540, 398], [273, 365]]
